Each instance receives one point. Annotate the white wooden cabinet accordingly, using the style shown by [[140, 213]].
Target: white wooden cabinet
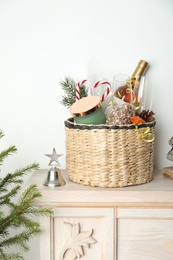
[[107, 224]]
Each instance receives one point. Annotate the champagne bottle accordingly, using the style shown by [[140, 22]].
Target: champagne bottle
[[138, 73], [128, 91]]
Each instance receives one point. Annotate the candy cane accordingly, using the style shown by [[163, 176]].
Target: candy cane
[[79, 84], [107, 90]]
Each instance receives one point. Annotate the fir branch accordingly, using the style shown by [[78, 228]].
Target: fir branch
[[4, 154], [6, 256], [68, 85], [67, 101], [21, 239], [27, 201], [18, 214], [28, 223], [1, 134], [22, 171], [30, 192], [5, 200], [39, 211], [4, 234], [25, 206], [16, 176]]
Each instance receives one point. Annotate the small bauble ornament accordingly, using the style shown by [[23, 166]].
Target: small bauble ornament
[[120, 115]]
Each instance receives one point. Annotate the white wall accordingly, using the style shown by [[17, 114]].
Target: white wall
[[42, 41]]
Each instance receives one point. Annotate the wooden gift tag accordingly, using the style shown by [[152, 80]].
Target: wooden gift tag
[[168, 172]]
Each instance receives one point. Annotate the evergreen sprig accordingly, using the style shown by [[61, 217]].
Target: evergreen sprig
[[69, 87], [19, 215], [4, 154]]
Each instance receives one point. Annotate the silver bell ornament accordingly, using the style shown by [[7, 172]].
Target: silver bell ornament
[[54, 177]]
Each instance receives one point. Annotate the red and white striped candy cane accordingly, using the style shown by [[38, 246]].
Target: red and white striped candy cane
[[107, 90], [79, 84]]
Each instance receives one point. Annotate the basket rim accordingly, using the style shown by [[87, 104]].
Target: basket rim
[[69, 123]]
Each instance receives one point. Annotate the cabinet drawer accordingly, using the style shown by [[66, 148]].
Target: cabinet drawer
[[145, 234], [86, 233]]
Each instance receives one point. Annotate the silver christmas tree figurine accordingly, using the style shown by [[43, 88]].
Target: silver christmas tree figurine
[[170, 153], [54, 178], [168, 171]]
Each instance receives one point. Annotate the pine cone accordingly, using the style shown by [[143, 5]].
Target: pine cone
[[147, 115]]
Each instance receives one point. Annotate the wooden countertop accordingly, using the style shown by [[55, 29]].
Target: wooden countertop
[[158, 192]]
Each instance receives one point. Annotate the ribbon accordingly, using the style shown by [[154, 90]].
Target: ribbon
[[145, 134]]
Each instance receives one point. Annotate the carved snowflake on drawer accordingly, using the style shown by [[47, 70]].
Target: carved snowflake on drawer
[[77, 240]]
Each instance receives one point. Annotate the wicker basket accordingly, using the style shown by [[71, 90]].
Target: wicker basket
[[108, 156]]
